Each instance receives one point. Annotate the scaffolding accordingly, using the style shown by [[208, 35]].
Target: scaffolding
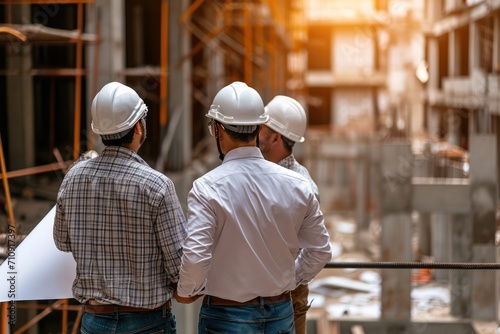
[[16, 34], [251, 33], [249, 38]]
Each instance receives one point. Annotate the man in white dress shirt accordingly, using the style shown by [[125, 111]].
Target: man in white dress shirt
[[247, 221]]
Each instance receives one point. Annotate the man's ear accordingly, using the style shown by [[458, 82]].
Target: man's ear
[[137, 128], [275, 137]]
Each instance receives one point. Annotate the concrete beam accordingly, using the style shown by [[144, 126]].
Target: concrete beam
[[443, 195], [453, 22], [339, 150]]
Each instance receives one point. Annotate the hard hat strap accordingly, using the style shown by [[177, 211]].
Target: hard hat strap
[[221, 155], [257, 138]]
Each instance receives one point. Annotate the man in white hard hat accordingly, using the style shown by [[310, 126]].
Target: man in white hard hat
[[123, 223], [247, 220], [286, 126]]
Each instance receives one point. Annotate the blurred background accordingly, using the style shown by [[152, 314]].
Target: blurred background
[[403, 137]]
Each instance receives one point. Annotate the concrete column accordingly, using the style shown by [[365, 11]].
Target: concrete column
[[112, 46], [179, 101], [362, 187], [484, 199], [111, 56], [21, 142], [342, 181], [440, 241], [497, 286], [496, 42], [461, 252], [362, 191], [186, 316], [424, 168], [453, 55], [453, 119], [434, 10], [117, 39], [91, 17], [433, 56], [216, 70], [396, 283], [433, 121], [432, 113], [497, 134], [396, 169], [424, 233], [474, 47], [179, 88]]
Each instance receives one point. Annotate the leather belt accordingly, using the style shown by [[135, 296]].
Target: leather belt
[[216, 301], [112, 308]]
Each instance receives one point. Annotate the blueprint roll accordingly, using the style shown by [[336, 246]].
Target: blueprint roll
[[36, 269]]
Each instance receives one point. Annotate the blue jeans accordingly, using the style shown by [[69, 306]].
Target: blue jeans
[[276, 318], [154, 322]]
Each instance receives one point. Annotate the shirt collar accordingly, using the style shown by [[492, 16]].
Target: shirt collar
[[243, 152], [287, 162], [123, 152]]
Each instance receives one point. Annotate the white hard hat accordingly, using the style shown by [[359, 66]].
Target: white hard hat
[[287, 117], [238, 107], [115, 110]]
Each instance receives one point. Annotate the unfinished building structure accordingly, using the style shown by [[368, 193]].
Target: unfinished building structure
[[344, 60], [429, 153], [462, 106], [175, 54]]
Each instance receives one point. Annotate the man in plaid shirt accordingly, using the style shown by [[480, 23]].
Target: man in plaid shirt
[[123, 223]]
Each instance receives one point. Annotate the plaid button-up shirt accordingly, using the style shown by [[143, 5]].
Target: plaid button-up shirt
[[124, 225], [291, 163]]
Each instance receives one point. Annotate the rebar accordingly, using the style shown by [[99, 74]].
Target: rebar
[[414, 265]]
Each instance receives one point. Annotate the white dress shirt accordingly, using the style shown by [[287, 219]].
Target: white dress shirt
[[247, 219]]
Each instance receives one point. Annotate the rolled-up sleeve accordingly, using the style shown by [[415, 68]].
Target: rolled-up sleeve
[[60, 230], [170, 228], [315, 245], [201, 222]]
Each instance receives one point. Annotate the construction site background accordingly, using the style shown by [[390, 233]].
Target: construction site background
[[403, 140]]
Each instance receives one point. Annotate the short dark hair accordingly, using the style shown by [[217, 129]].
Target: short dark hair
[[127, 139], [287, 143], [245, 137]]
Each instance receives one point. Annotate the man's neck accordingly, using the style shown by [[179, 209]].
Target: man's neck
[[237, 144]]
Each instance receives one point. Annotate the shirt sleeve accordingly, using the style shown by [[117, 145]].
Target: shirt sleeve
[[60, 230], [315, 245], [170, 231], [198, 244]]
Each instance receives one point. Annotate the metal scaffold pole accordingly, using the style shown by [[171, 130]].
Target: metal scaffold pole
[[12, 230]]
